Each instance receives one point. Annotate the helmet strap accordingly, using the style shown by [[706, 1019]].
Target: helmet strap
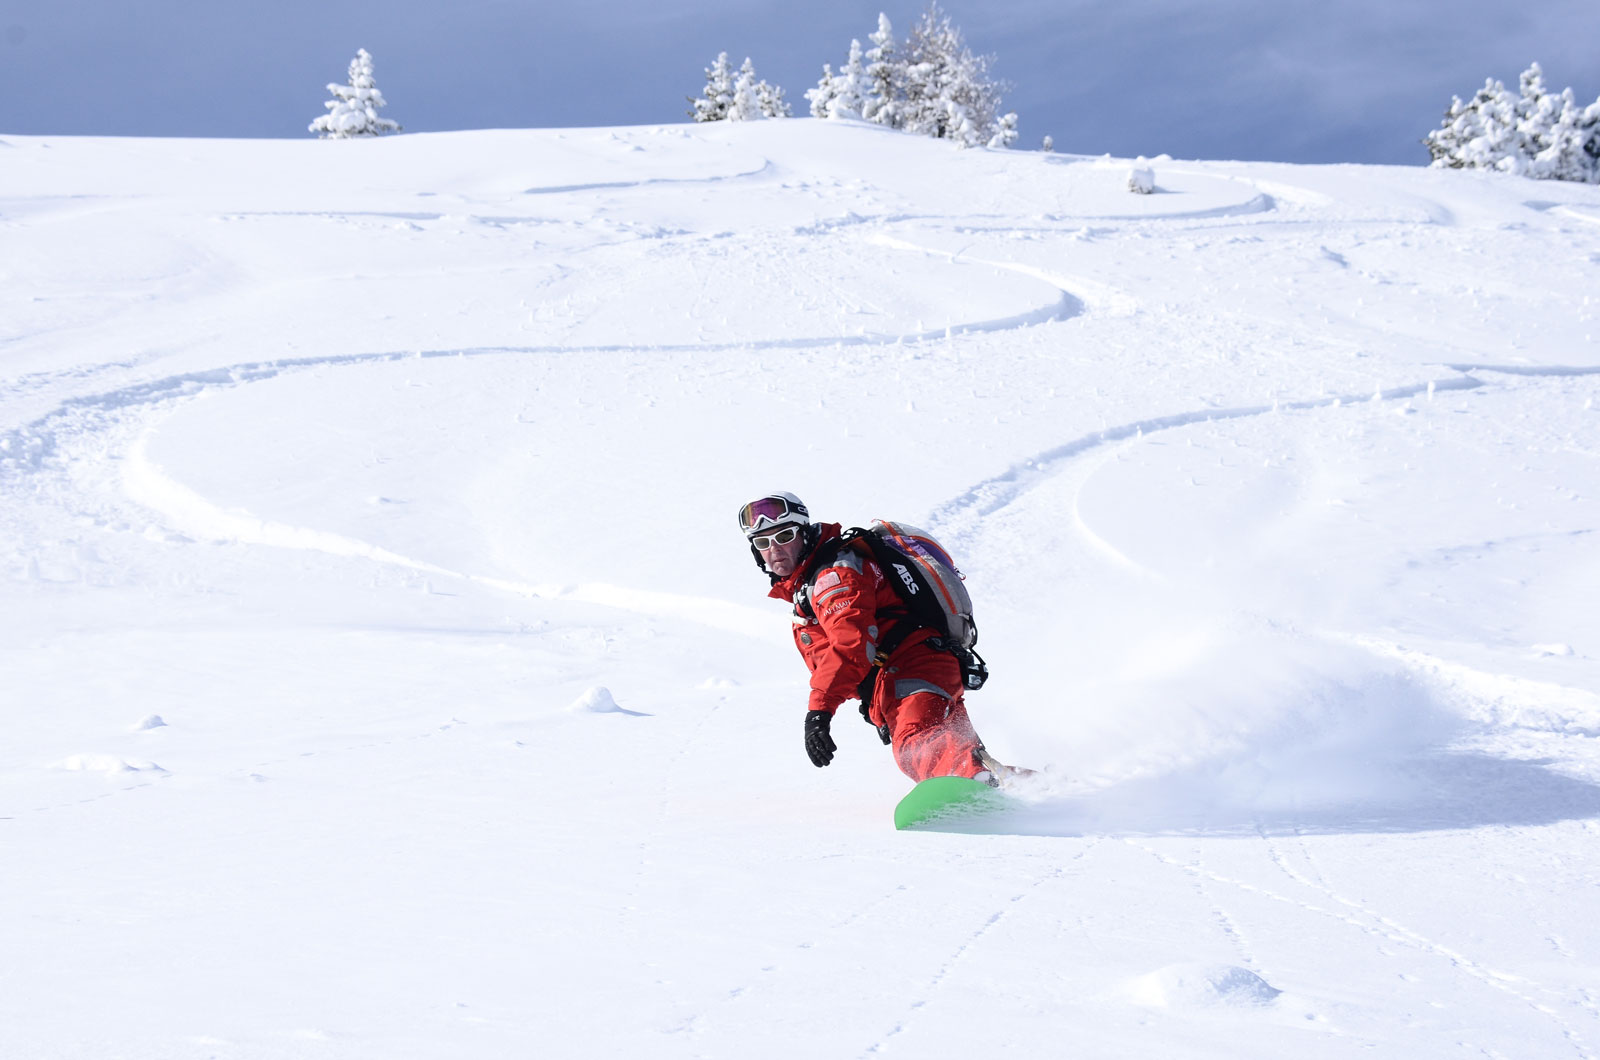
[[755, 552]]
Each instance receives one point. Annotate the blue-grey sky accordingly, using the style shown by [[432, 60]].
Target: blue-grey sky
[[1332, 81]]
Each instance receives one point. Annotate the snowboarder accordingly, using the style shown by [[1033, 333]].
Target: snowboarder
[[854, 633]]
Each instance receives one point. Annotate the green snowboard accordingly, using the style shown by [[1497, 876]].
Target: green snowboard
[[946, 801]]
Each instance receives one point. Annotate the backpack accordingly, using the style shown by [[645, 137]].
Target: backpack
[[928, 583]]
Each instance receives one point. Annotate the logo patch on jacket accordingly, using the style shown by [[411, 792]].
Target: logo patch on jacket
[[827, 580]]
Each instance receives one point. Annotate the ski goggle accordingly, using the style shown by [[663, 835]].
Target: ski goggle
[[769, 511], [782, 537]]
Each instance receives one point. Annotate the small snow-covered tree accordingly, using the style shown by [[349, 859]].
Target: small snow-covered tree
[[1586, 130], [1480, 133], [769, 98], [842, 94], [737, 97], [884, 77], [717, 97], [1537, 111], [353, 110], [1499, 143], [1005, 130], [1463, 123], [851, 96], [1573, 148], [821, 98], [927, 74], [1444, 143], [746, 105]]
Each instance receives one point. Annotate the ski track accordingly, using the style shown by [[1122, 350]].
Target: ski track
[[1077, 293], [1068, 222], [1383, 929], [765, 169], [25, 449], [106, 794], [753, 987], [1526, 369], [1577, 213], [639, 885], [958, 956], [955, 518], [148, 485]]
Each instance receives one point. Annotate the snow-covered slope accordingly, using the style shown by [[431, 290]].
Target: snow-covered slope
[[384, 675]]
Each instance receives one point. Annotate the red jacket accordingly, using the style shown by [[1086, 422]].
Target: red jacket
[[842, 612]]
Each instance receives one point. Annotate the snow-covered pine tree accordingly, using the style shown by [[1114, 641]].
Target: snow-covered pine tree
[[821, 98], [353, 110], [948, 92], [1005, 130], [1537, 112], [842, 94], [885, 77], [1573, 148], [1480, 133], [1460, 125], [1587, 133], [1560, 139], [1498, 144], [926, 64], [745, 106], [717, 97], [1533, 132], [737, 97], [851, 85], [770, 101]]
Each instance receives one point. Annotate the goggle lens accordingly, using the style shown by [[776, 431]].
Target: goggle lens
[[767, 509], [782, 537]]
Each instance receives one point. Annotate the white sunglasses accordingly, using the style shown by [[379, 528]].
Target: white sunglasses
[[782, 537]]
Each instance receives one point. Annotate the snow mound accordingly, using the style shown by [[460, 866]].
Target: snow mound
[[108, 764], [598, 700], [150, 721], [1202, 986]]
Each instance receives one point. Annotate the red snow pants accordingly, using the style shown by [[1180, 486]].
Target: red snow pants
[[920, 700]]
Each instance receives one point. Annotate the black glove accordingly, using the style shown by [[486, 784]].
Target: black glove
[[819, 744]]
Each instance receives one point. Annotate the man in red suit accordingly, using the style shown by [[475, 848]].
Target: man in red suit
[[856, 636]]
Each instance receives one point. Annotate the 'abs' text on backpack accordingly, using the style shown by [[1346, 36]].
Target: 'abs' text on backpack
[[931, 588]]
